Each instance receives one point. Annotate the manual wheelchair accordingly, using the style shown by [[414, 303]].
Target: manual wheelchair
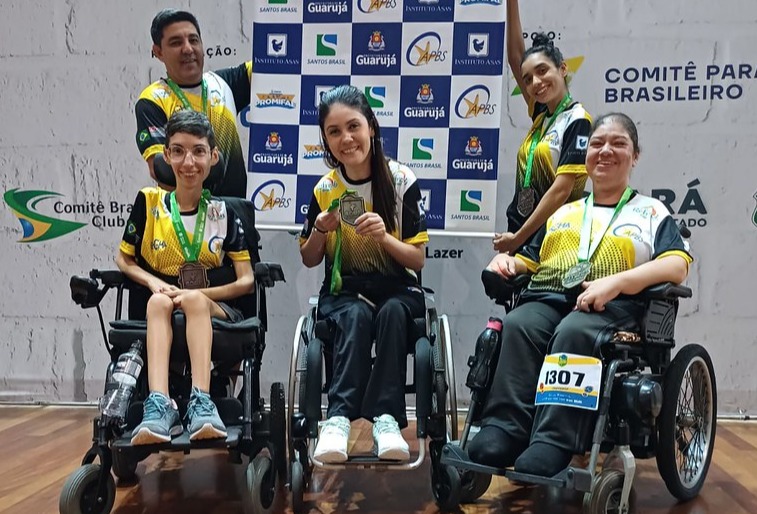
[[649, 406], [310, 375], [251, 426]]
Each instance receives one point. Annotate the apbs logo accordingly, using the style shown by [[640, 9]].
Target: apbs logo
[[275, 99], [373, 6], [470, 200], [273, 142], [423, 149], [270, 195], [473, 147], [376, 43], [277, 45], [426, 49], [36, 226], [376, 96], [475, 102], [312, 152], [326, 45]]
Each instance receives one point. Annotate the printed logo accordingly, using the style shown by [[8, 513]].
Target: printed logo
[[319, 92], [275, 99], [474, 2], [143, 135], [38, 227], [376, 96], [470, 200], [562, 360], [426, 49], [689, 212], [273, 142], [270, 195], [277, 45], [423, 149], [425, 95], [474, 102], [376, 43], [473, 147], [582, 142], [326, 45], [371, 6], [313, 152], [478, 45], [277, 2], [424, 205]]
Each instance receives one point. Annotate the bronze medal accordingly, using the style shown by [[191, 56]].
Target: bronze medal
[[193, 275], [526, 201], [576, 275], [351, 207]]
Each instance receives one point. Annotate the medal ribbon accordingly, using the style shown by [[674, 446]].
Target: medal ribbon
[[191, 251], [537, 135], [336, 268], [587, 247], [184, 100]]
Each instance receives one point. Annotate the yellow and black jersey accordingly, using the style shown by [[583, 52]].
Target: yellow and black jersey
[[561, 150], [643, 231], [150, 237], [362, 255], [228, 93]]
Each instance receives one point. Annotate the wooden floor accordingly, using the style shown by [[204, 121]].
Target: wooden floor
[[40, 446]]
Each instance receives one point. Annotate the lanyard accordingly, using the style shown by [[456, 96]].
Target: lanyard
[[587, 247], [191, 251], [180, 93], [537, 135]]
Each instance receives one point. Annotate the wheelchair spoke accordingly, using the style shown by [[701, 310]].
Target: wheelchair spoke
[[693, 419]]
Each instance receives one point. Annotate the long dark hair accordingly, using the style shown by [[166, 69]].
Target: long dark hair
[[382, 182]]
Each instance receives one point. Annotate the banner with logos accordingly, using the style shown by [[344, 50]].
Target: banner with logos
[[432, 70]]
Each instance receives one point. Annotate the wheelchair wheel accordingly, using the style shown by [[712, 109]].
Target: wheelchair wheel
[[473, 485], [604, 497], [445, 484], [297, 485], [278, 434], [449, 370], [261, 486], [79, 494], [124, 465], [687, 422]]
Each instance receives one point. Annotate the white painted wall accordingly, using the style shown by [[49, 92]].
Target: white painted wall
[[71, 71]]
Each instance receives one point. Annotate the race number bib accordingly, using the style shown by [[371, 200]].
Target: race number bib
[[569, 380]]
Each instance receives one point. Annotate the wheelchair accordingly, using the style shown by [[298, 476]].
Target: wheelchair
[[310, 373], [649, 406], [251, 426]]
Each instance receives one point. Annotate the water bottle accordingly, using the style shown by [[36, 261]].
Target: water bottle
[[123, 381], [483, 361]]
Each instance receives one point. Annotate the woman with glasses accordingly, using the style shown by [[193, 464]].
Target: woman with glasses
[[170, 242]]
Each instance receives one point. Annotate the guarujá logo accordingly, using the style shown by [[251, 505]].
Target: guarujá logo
[[573, 64], [37, 227]]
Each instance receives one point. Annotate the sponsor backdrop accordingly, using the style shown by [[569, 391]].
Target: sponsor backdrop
[[70, 167], [430, 69]]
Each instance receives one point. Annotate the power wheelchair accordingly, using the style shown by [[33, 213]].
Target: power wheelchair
[[649, 406], [251, 426], [310, 375]]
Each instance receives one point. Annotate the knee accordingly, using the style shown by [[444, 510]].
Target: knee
[[194, 302], [159, 305], [394, 311], [571, 337]]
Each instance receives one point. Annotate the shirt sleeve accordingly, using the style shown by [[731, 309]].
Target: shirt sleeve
[[151, 127], [135, 226], [413, 229], [239, 79], [235, 242], [575, 142], [668, 241], [313, 211]]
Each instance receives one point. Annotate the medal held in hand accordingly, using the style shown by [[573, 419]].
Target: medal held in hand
[[526, 201], [192, 274], [576, 275], [351, 207]]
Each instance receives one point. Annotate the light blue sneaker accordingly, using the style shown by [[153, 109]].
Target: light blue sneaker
[[160, 421], [203, 421]]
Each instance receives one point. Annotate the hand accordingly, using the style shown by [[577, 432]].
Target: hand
[[505, 242], [327, 221], [597, 293], [158, 286], [503, 264], [371, 225]]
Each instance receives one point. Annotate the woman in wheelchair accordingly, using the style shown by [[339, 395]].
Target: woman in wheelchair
[[588, 262], [365, 218], [174, 238]]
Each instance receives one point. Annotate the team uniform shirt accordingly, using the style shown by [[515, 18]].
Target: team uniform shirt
[[643, 231], [561, 150], [361, 255], [150, 237], [228, 93]]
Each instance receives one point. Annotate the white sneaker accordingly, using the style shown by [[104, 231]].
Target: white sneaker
[[387, 439], [332, 441]]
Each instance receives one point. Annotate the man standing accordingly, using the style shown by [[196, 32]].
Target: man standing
[[220, 95]]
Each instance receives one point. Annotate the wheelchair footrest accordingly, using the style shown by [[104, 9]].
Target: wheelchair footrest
[[182, 442]]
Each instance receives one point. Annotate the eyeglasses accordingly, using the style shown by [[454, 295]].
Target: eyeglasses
[[177, 154]]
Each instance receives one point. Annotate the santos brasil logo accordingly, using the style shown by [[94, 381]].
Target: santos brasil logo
[[36, 226], [573, 64]]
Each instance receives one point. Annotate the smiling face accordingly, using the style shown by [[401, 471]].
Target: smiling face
[[191, 159], [348, 135], [545, 82], [611, 156], [181, 51]]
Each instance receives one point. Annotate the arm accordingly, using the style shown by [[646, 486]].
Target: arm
[[129, 267], [515, 45], [507, 265], [241, 286], [313, 249]]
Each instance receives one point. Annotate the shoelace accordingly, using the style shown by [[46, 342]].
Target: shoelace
[[200, 404], [155, 407], [384, 426], [335, 425]]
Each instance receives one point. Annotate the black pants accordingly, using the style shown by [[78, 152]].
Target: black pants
[[531, 331], [358, 387]]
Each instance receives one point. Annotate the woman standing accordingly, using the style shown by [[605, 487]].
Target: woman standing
[[551, 160]]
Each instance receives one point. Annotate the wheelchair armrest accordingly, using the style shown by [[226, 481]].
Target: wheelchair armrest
[[109, 278], [268, 273], [665, 291], [501, 289]]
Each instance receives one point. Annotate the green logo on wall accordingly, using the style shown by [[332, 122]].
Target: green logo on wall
[[36, 226]]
